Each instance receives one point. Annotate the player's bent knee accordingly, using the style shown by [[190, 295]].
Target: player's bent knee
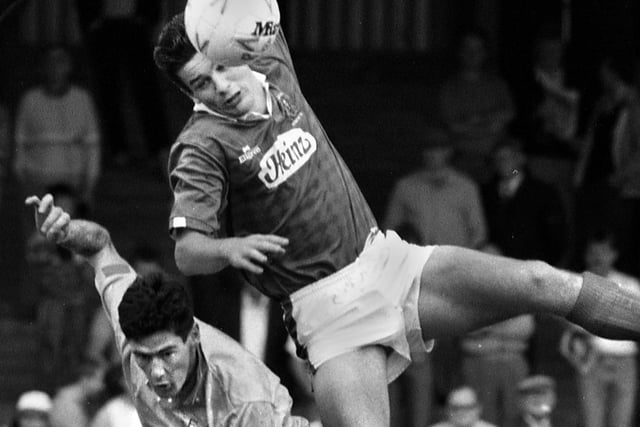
[[351, 389]]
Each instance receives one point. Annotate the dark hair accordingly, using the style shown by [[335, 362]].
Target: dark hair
[[173, 50], [601, 234], [155, 303], [145, 252]]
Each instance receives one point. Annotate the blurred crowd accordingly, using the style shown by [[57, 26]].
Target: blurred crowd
[[556, 178]]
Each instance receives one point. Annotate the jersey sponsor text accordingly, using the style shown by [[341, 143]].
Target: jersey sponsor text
[[289, 152]]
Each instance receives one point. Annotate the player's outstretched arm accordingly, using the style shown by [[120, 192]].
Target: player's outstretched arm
[[85, 238], [197, 253]]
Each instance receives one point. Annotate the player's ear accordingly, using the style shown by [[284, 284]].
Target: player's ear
[[195, 333]]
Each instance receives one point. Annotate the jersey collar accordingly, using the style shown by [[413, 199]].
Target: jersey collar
[[250, 116]]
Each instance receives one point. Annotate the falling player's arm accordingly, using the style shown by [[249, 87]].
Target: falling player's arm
[[93, 242]]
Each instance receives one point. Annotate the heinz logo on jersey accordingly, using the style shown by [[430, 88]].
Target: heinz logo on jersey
[[289, 152]]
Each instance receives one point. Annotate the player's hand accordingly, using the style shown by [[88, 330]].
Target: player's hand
[[252, 252], [51, 221]]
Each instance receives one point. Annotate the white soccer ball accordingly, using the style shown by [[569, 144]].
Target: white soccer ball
[[232, 32]]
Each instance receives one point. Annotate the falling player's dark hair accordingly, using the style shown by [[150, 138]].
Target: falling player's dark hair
[[154, 303]]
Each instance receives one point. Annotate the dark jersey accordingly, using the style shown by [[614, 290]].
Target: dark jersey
[[278, 175]]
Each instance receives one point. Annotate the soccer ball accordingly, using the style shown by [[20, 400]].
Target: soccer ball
[[232, 32]]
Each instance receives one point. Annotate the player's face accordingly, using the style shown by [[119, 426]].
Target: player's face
[[233, 91], [166, 360]]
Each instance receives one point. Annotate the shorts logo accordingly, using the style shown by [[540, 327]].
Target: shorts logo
[[289, 152], [248, 153]]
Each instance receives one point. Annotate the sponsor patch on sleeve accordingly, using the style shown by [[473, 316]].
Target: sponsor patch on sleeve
[[179, 222], [114, 269]]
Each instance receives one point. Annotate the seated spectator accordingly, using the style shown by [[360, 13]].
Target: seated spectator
[[476, 106], [76, 403], [607, 369], [119, 409], [463, 410], [537, 397], [32, 410], [56, 131]]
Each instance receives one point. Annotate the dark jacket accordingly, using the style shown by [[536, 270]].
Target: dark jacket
[[531, 224]]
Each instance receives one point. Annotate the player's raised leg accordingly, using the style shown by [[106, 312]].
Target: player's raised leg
[[462, 290], [351, 389]]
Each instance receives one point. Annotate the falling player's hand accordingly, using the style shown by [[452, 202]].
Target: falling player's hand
[[252, 252], [51, 221]]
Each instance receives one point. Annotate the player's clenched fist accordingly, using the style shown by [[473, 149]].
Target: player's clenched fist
[[50, 220], [252, 252]]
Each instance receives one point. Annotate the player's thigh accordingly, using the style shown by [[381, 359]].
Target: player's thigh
[[351, 389], [463, 289]]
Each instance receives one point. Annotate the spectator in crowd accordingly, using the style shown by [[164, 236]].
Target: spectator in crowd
[[607, 371], [608, 171], [76, 403], [463, 410], [32, 410], [554, 111], [537, 397], [59, 281], [525, 216], [494, 361], [119, 409], [119, 37], [56, 131], [441, 206], [476, 106]]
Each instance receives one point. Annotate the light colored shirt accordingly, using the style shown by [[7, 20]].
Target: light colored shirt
[[447, 214], [57, 137], [239, 390]]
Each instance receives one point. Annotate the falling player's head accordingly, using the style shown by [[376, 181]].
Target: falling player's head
[[156, 317]]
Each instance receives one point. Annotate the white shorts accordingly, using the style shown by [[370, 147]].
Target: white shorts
[[372, 301]]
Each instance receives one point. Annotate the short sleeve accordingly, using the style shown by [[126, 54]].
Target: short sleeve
[[113, 277], [198, 180]]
